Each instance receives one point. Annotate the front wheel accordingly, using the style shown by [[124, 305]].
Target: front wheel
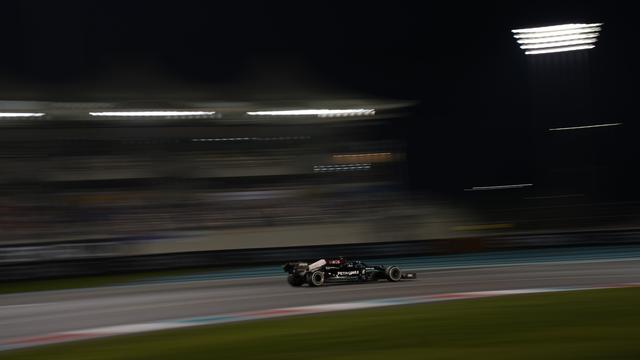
[[316, 278], [393, 273], [295, 280]]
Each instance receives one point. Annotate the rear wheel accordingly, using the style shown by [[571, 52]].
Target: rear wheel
[[316, 278], [295, 280], [393, 273]]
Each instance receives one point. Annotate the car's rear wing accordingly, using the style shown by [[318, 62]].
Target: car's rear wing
[[295, 266], [298, 266]]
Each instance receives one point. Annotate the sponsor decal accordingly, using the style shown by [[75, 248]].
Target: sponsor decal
[[348, 273]]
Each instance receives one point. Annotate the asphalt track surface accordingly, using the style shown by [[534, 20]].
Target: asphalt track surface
[[32, 314]]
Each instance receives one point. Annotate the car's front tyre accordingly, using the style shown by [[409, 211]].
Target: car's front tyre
[[393, 273], [315, 279]]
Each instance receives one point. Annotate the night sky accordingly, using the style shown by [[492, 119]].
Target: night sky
[[484, 106]]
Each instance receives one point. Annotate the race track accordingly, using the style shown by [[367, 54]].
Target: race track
[[38, 313]]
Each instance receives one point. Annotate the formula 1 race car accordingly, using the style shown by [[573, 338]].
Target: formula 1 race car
[[340, 270]]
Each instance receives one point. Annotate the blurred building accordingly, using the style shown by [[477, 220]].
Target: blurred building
[[71, 176]]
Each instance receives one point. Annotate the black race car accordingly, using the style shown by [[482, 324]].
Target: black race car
[[338, 270]]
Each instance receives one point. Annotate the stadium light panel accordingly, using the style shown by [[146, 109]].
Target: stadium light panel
[[584, 127], [498, 187], [152, 113], [554, 45], [315, 112], [19, 114], [557, 38]]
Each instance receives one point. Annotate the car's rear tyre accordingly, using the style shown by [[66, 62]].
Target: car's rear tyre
[[393, 273], [295, 280], [315, 279]]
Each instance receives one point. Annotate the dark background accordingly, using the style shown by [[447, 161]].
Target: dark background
[[484, 107]]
